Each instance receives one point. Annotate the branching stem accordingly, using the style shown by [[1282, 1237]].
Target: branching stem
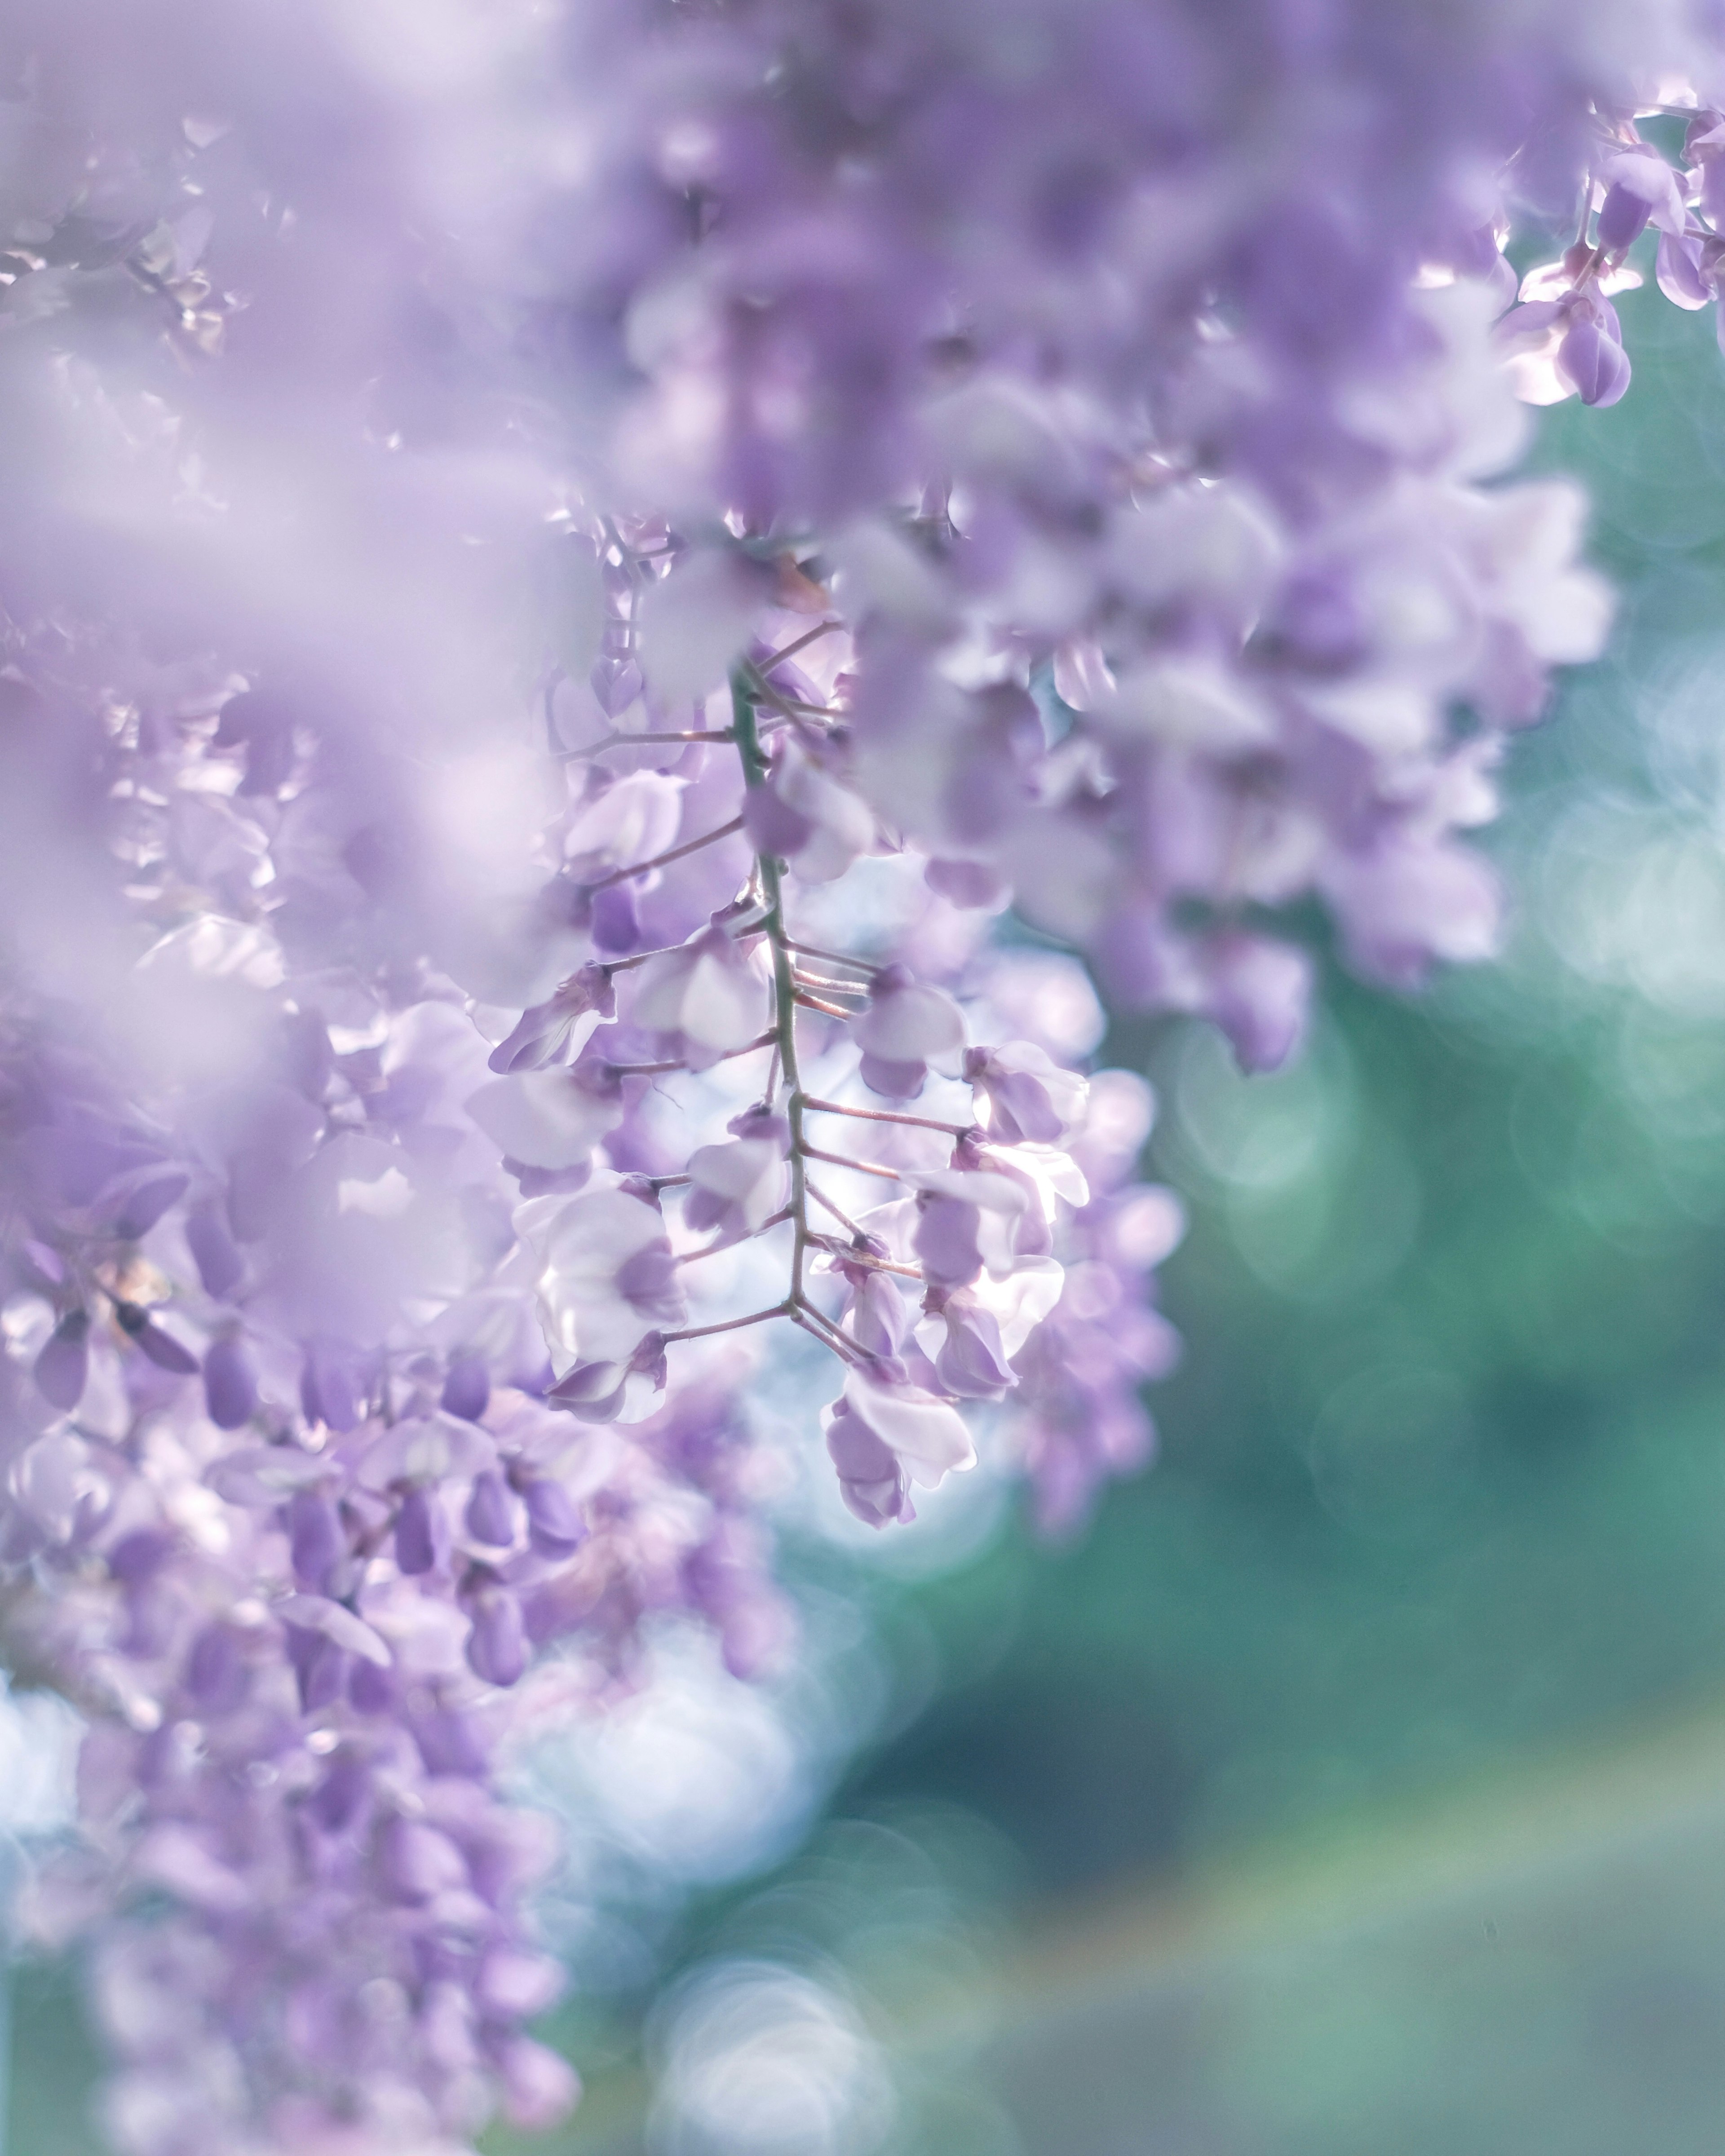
[[824, 1329], [790, 651], [642, 741], [835, 957], [676, 1063], [791, 707], [665, 951], [728, 1324], [862, 1167], [785, 980], [834, 1336], [821, 1198], [663, 860], [791, 988], [868, 1259], [892, 1115]]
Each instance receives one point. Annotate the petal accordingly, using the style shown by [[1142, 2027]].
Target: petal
[[928, 1435]]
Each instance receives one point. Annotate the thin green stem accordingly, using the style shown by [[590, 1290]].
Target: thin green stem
[[785, 978], [790, 987]]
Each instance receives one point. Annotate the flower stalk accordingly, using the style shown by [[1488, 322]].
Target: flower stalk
[[771, 873]]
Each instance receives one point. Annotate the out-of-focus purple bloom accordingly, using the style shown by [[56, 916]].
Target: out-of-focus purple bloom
[[62, 1369], [467, 1388], [415, 1534], [153, 1340], [490, 1515], [230, 1383], [315, 1538], [1639, 186], [555, 1526], [497, 1645]]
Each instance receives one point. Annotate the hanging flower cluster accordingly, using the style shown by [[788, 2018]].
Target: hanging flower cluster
[[596, 602], [381, 1339], [1563, 338]]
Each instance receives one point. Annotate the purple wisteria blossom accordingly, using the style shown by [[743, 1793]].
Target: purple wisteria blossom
[[566, 568]]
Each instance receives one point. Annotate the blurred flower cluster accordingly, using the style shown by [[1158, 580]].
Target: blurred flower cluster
[[564, 567]]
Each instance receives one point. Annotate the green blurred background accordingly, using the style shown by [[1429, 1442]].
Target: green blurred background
[[1357, 1784]]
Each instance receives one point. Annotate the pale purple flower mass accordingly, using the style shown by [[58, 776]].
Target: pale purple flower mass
[[565, 565]]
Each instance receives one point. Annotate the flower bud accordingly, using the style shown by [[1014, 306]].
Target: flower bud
[[489, 1517], [316, 1539], [497, 1645], [230, 1384], [555, 1526], [467, 1388], [415, 1534]]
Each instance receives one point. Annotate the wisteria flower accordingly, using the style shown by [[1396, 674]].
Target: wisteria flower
[[906, 1026], [816, 824], [559, 1028], [545, 1119], [603, 1270], [882, 1438], [1028, 1094], [702, 1001], [967, 1221], [736, 1187]]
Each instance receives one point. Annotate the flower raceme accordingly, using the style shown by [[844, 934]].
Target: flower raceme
[[839, 1045], [1563, 338], [413, 1339], [566, 568]]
